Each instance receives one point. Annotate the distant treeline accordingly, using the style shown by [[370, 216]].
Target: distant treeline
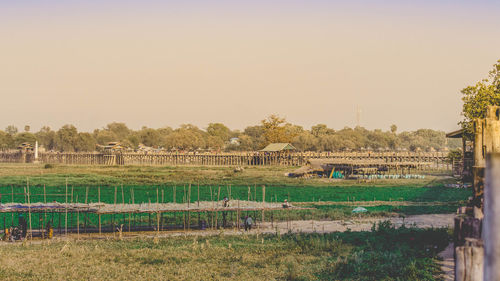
[[217, 136]]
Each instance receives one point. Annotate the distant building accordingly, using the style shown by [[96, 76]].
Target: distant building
[[278, 147], [463, 168], [234, 141], [25, 146], [112, 147]]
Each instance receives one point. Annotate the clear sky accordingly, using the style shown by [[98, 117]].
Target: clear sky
[[165, 63]]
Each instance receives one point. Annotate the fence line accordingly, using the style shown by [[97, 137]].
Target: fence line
[[439, 159]]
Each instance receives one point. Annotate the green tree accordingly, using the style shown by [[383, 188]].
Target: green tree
[[219, 130], [321, 130], [6, 140], [477, 98], [11, 130], [394, 129], [103, 137], [120, 130], [305, 141], [67, 138], [149, 137], [24, 137], [85, 142], [187, 137], [46, 138]]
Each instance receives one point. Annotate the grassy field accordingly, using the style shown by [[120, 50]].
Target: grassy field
[[386, 253], [149, 184], [162, 193], [17, 174]]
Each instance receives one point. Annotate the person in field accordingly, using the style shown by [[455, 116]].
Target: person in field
[[286, 204], [24, 226], [248, 223], [225, 202]]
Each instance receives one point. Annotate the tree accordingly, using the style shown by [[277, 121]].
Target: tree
[[218, 135], [11, 130], [149, 137], [46, 138], [394, 129], [67, 138], [275, 130], [85, 142], [6, 140], [305, 141], [120, 130], [105, 136], [477, 98], [321, 130], [27, 128], [187, 137], [24, 137]]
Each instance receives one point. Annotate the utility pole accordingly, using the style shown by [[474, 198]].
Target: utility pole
[[358, 116]]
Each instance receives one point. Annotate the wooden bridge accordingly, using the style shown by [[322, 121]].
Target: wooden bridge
[[437, 159]]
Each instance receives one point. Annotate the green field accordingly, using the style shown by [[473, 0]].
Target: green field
[[386, 253], [145, 194], [57, 175], [425, 200], [117, 184]]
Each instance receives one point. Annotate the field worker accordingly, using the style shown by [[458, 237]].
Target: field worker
[[23, 225], [248, 223], [225, 202], [286, 204], [50, 230]]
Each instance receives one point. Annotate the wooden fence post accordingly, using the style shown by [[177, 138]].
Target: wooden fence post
[[491, 225]]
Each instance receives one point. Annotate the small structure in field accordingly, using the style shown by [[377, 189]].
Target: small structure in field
[[344, 168], [463, 167], [112, 146], [25, 146], [278, 147]]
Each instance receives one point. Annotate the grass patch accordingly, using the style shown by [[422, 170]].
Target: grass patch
[[17, 174], [387, 253], [148, 193]]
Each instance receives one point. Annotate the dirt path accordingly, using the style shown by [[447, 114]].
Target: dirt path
[[308, 226], [422, 221], [376, 203], [448, 263]]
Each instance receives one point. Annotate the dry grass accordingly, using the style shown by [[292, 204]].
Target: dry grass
[[247, 258]]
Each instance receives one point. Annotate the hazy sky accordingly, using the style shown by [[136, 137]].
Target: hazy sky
[[165, 63]]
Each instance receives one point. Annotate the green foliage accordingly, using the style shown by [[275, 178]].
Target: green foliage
[[11, 130], [24, 137], [6, 140], [276, 130], [46, 138], [476, 98], [85, 142], [67, 138], [219, 130], [149, 137], [387, 253], [216, 137]]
